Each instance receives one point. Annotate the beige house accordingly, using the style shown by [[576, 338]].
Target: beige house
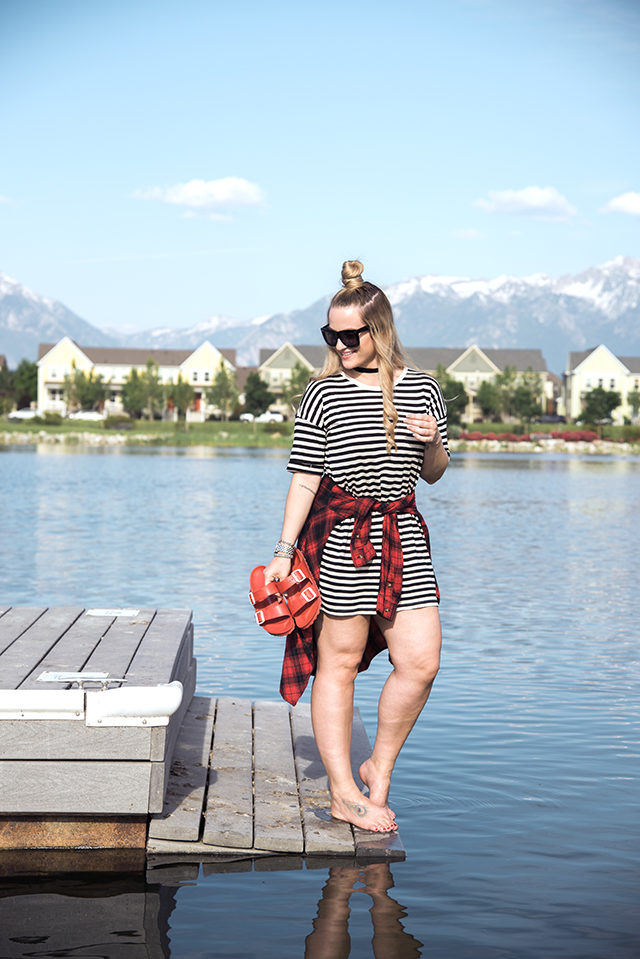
[[471, 365], [276, 366], [589, 369], [197, 367]]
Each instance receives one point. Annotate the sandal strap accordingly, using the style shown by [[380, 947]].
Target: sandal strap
[[264, 592]]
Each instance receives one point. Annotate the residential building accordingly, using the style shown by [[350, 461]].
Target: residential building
[[598, 366], [470, 365], [197, 367]]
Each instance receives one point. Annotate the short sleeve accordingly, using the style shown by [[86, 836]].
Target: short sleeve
[[309, 436], [437, 407]]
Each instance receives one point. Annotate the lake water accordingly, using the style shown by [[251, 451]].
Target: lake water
[[517, 792]]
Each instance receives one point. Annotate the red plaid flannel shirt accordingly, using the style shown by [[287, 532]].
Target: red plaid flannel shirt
[[331, 505]]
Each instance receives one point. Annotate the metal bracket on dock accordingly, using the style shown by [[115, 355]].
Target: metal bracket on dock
[[81, 679]]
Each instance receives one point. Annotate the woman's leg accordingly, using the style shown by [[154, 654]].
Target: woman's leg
[[414, 640], [341, 642]]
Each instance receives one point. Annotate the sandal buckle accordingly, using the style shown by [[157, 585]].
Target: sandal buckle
[[298, 575], [309, 594], [260, 617], [252, 598]]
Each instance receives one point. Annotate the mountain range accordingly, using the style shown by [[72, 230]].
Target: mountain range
[[554, 314]]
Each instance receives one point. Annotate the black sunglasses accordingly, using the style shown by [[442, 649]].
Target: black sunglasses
[[347, 337]]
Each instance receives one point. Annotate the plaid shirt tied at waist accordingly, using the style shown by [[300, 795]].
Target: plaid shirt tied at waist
[[331, 506]]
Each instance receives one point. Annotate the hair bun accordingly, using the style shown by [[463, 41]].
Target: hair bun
[[352, 274]]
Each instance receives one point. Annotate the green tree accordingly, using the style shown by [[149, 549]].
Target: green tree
[[454, 393], [224, 392], [257, 395], [489, 399], [153, 389], [293, 390], [633, 399], [6, 390], [133, 394], [84, 391], [181, 395], [527, 396], [599, 404], [25, 383], [506, 381]]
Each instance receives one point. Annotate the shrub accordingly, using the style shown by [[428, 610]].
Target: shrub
[[119, 421], [49, 418]]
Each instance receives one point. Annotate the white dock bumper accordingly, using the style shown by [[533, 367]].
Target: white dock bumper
[[133, 705], [125, 706]]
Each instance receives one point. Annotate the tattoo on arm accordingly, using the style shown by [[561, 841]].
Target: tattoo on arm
[[312, 491]]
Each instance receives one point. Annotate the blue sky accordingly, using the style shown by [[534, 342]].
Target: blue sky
[[163, 162]]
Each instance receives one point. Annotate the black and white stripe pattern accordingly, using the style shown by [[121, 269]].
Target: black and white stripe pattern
[[339, 432]]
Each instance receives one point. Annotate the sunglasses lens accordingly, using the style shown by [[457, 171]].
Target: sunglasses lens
[[348, 338], [330, 336]]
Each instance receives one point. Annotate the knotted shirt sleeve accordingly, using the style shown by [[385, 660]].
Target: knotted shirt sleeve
[[309, 435]]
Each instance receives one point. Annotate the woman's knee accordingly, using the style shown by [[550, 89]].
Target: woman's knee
[[422, 669], [340, 667]]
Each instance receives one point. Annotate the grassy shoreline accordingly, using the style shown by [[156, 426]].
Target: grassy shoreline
[[278, 436]]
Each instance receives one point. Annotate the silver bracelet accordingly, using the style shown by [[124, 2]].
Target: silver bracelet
[[284, 549]]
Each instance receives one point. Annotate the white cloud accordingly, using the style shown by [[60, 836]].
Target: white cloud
[[211, 198], [625, 203], [542, 202], [4, 199], [468, 233]]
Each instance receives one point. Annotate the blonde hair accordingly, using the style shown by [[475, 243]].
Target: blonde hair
[[375, 312]]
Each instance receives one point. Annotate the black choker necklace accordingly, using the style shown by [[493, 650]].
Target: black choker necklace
[[366, 369]]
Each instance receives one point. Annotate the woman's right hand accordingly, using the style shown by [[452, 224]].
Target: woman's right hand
[[278, 568]]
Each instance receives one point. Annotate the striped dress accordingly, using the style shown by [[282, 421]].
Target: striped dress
[[339, 432]]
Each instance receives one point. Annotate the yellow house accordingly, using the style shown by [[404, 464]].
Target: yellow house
[[589, 369], [56, 360]]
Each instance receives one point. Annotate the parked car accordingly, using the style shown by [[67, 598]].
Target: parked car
[[550, 418], [86, 415], [247, 417], [269, 417], [24, 414]]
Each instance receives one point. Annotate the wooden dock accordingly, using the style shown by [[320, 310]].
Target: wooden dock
[[247, 779], [214, 778]]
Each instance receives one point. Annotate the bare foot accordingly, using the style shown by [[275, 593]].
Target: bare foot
[[377, 783], [363, 814]]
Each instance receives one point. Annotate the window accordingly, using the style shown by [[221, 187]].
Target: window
[[588, 383], [194, 376], [612, 383], [207, 377], [600, 382], [52, 373]]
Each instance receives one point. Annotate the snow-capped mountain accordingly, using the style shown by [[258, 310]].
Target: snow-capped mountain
[[554, 314], [27, 319]]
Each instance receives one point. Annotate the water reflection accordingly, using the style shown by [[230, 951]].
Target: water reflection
[[330, 938], [86, 915], [82, 916]]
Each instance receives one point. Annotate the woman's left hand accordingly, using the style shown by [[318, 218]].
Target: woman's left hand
[[423, 426]]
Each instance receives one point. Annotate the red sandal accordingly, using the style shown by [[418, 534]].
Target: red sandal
[[271, 610], [301, 592]]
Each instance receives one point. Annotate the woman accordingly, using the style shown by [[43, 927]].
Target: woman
[[365, 431]]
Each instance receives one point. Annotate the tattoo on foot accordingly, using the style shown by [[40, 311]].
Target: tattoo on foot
[[357, 808]]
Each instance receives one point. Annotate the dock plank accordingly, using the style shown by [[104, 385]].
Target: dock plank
[[229, 804], [156, 659], [15, 621], [323, 836], [119, 644], [181, 816], [74, 787], [71, 651], [29, 649], [277, 820]]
